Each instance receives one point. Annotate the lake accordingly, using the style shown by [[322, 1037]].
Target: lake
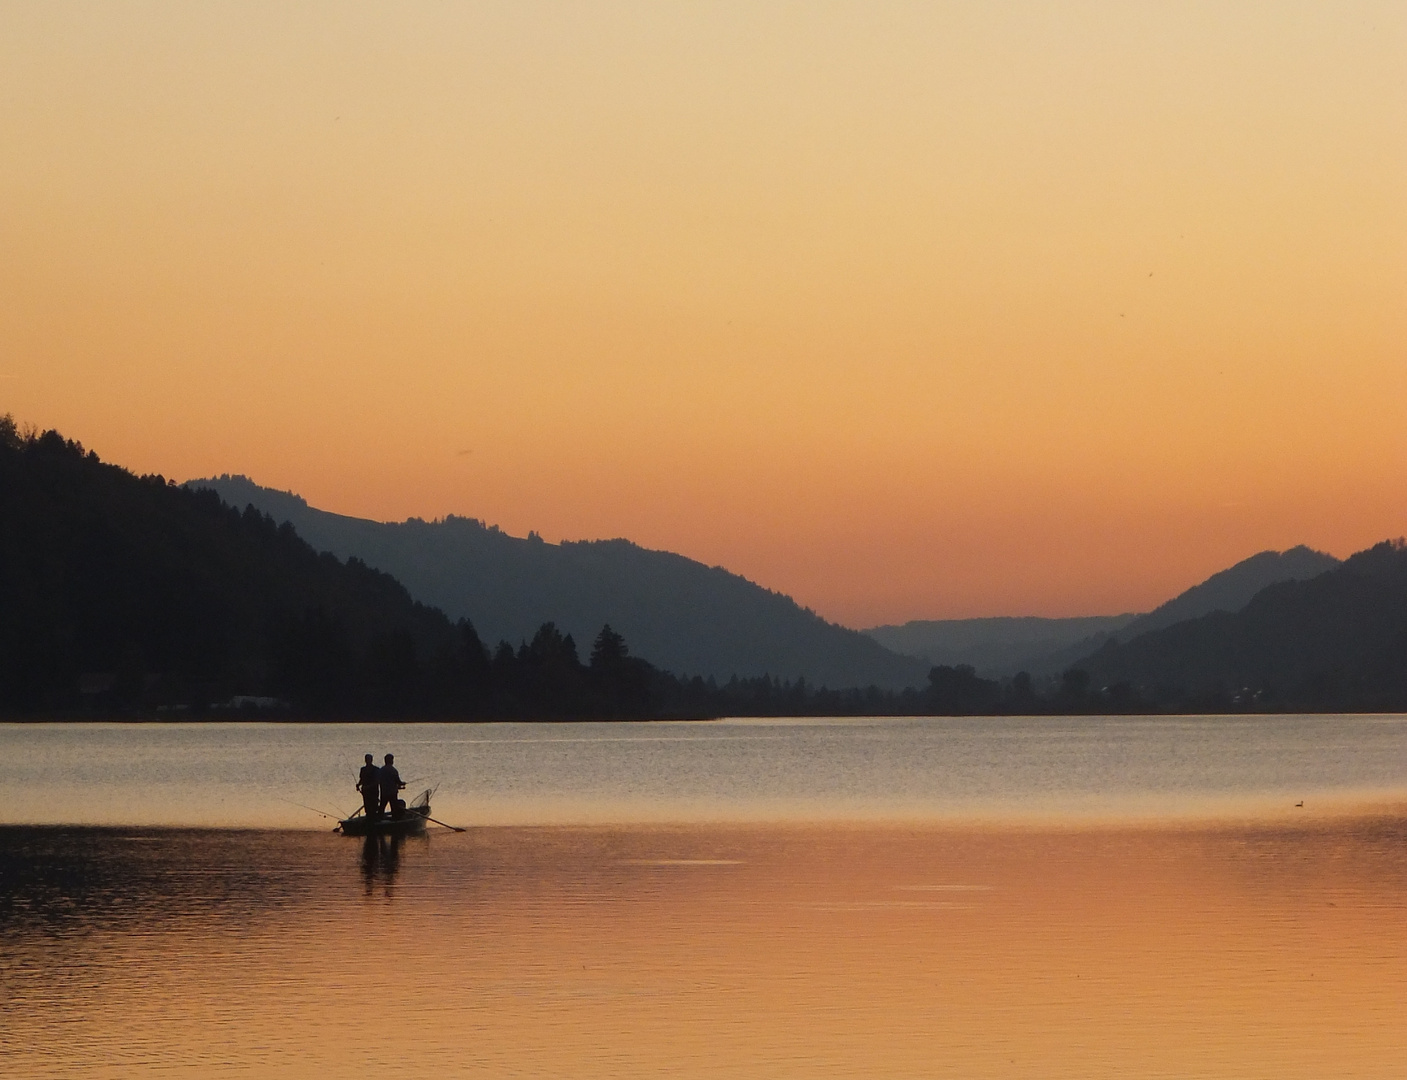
[[1015, 897]]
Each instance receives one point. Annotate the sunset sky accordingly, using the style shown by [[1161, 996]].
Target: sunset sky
[[910, 310]]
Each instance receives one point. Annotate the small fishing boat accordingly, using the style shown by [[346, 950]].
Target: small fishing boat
[[402, 820]]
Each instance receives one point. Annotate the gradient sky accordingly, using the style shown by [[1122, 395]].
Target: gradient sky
[[909, 310]]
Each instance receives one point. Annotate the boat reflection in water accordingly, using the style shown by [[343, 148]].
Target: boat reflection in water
[[381, 860]]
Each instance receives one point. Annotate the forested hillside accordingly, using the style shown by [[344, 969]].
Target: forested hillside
[[1002, 646], [679, 614], [125, 595], [1337, 641], [1233, 588], [130, 596]]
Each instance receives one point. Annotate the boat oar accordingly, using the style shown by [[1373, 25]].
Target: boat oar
[[437, 821]]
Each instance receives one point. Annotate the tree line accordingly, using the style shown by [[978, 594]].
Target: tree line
[[124, 595]]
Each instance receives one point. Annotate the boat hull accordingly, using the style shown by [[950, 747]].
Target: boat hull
[[407, 824]]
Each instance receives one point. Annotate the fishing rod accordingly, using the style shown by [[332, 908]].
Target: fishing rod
[[314, 809]]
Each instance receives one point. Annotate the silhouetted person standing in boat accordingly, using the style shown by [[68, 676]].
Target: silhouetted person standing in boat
[[391, 783], [369, 784]]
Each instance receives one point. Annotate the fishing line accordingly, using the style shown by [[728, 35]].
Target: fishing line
[[314, 809]]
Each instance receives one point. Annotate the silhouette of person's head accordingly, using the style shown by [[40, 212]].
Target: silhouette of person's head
[[368, 759], [390, 758]]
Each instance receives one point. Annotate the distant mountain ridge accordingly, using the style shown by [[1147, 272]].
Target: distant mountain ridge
[[999, 647], [1337, 640], [1002, 645], [130, 596], [1232, 589], [127, 596], [677, 613]]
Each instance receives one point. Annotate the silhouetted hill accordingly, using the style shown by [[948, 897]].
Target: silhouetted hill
[[121, 590], [1337, 640], [1231, 589], [129, 596], [126, 595], [1000, 647], [677, 613]]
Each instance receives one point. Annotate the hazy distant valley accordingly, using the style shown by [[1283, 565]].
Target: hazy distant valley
[[1000, 647]]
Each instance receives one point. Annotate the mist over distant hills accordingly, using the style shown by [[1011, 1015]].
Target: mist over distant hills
[[677, 613], [1000, 647]]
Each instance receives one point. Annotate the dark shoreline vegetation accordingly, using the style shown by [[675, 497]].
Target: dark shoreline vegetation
[[132, 597], [681, 614]]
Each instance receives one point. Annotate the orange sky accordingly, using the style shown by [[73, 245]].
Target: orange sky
[[909, 310]]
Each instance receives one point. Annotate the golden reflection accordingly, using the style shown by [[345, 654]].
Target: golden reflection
[[381, 862], [764, 951]]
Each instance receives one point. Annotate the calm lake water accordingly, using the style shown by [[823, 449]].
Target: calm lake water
[[885, 898]]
